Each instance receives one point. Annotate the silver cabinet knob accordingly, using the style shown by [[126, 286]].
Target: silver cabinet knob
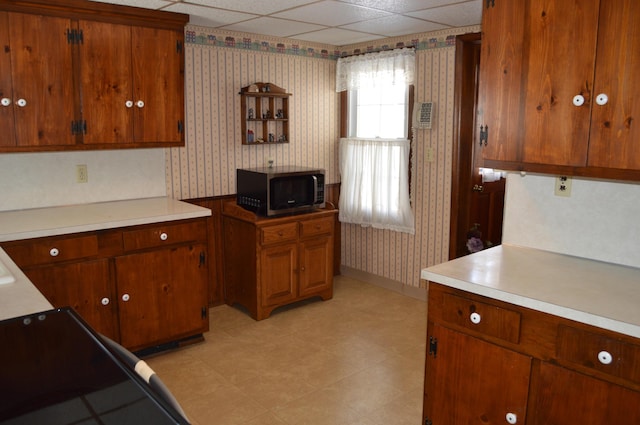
[[164, 236], [21, 103], [475, 318], [140, 104], [5, 101], [105, 301], [511, 418], [54, 252], [578, 100], [128, 103], [125, 297]]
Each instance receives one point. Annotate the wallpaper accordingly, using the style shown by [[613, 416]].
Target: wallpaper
[[219, 63]]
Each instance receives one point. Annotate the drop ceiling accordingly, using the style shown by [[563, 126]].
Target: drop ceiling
[[334, 22]]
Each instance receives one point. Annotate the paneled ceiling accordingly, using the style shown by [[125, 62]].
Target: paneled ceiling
[[334, 22]]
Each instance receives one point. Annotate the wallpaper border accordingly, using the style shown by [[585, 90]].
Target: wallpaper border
[[211, 37]]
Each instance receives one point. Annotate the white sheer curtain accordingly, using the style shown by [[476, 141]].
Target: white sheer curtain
[[395, 67], [375, 172], [375, 188]]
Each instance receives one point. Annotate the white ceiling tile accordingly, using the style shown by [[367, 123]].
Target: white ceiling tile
[[457, 15], [399, 6], [330, 13], [273, 26], [211, 17], [252, 6], [147, 4], [391, 26], [336, 37]]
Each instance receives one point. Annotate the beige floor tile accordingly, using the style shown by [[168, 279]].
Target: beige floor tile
[[355, 359]]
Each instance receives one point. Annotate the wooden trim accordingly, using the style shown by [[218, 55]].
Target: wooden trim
[[95, 11], [462, 164]]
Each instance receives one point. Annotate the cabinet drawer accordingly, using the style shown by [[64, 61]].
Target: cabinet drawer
[[280, 233], [52, 250], [482, 317], [316, 227], [599, 352], [169, 233]]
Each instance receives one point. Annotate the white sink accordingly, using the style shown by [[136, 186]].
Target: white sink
[[5, 274]]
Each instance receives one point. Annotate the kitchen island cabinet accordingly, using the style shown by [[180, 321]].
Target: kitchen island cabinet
[[143, 285], [557, 93], [271, 262], [506, 346]]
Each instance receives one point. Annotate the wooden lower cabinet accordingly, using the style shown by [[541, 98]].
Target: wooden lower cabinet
[[162, 295], [490, 362], [565, 397], [86, 287], [271, 262], [142, 286]]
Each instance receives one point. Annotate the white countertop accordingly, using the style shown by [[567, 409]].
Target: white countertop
[[21, 297], [40, 222], [592, 292]]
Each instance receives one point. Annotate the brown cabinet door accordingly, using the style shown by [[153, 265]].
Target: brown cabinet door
[[469, 381], [158, 78], [106, 82], [42, 96], [615, 133], [560, 65], [278, 274], [85, 287], [501, 68], [7, 119], [161, 295], [316, 266], [564, 397]]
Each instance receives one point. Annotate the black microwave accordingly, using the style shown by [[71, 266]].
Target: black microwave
[[272, 191]]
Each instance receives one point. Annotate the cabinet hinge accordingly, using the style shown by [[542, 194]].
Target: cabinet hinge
[[491, 3], [78, 127], [427, 421], [179, 46], [484, 134], [180, 127], [202, 259], [203, 312], [75, 36], [433, 346]]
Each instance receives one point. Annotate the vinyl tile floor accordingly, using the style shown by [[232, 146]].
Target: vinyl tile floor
[[357, 359]]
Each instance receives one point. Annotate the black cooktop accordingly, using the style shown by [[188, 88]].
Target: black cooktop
[[54, 369]]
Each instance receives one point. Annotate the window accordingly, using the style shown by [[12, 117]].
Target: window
[[378, 112], [374, 159]]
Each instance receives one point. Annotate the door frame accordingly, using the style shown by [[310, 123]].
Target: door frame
[[463, 136]]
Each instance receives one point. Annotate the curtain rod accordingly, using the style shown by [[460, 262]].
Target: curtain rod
[[378, 51]]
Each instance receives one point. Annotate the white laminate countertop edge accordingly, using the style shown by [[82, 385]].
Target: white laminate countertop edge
[[20, 297], [592, 292], [53, 221]]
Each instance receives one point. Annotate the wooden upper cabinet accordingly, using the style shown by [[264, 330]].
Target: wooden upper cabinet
[[36, 81], [106, 82], [544, 65], [158, 76], [92, 76], [560, 57], [132, 84], [501, 67], [615, 126]]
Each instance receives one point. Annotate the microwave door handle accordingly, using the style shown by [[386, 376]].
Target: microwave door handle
[[315, 189]]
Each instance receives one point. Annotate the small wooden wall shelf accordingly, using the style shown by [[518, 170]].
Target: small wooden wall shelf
[[265, 114]]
